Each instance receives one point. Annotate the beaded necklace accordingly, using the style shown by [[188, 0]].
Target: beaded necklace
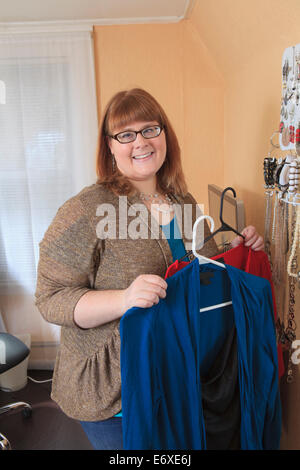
[[162, 203]]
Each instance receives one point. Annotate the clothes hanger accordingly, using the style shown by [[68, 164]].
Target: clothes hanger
[[224, 226], [202, 259]]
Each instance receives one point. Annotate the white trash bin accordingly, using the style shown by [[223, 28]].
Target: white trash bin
[[16, 378]]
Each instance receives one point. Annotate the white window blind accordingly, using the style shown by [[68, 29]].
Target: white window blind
[[48, 133]]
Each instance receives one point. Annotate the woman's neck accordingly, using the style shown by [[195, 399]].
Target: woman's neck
[[146, 187]]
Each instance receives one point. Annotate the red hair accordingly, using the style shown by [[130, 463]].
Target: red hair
[[124, 108]]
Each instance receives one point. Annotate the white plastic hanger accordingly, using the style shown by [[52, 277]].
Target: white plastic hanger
[[202, 259]]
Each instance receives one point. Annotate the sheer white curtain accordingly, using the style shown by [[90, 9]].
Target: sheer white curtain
[[48, 133]]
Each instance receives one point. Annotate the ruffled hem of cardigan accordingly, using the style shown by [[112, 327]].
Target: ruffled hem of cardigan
[[78, 389]]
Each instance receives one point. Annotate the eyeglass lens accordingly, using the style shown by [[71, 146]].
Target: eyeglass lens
[[130, 136]]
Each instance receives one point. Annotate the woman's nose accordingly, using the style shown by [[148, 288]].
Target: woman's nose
[[140, 141]]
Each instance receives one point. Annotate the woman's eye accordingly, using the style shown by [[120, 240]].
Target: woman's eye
[[149, 130], [126, 135]]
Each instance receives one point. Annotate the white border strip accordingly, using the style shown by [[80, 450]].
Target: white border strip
[[78, 25]]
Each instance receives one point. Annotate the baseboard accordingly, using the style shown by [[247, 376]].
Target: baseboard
[[42, 364], [43, 354], [44, 344]]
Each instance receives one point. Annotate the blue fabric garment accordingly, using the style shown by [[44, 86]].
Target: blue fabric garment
[[166, 349], [172, 233], [176, 244]]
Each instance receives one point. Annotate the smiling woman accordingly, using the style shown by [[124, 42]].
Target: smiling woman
[[139, 152], [135, 111], [88, 281]]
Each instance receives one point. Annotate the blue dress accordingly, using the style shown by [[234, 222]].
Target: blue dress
[[168, 348]]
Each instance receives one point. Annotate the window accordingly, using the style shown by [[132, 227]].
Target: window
[[48, 133]]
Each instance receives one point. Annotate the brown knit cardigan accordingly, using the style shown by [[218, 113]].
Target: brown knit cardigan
[[73, 260]]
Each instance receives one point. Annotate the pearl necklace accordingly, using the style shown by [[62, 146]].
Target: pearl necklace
[[161, 204]]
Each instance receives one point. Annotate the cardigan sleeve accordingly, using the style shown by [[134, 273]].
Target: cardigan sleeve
[[67, 254]]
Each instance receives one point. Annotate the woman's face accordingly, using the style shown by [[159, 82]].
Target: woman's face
[[141, 159]]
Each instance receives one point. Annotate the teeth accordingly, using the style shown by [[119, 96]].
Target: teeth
[[139, 157]]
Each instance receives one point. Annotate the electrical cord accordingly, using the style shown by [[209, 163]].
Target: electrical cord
[[39, 381]]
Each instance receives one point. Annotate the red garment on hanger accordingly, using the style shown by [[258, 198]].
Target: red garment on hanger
[[250, 261]]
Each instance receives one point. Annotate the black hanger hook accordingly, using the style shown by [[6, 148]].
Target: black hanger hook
[[229, 188], [224, 227]]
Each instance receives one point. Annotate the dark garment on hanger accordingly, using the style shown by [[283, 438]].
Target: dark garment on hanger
[[221, 399], [167, 349]]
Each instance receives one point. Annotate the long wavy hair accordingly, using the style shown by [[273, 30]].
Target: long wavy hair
[[124, 108]]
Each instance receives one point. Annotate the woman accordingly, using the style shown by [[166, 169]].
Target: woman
[[89, 277]]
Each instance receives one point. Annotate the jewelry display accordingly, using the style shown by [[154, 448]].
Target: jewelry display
[[282, 206], [290, 331], [290, 100], [269, 169], [274, 217], [280, 253], [282, 201], [292, 262], [294, 176]]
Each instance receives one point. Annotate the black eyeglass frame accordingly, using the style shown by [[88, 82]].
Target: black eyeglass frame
[[136, 134]]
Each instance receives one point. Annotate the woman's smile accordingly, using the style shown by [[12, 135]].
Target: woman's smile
[[143, 157]]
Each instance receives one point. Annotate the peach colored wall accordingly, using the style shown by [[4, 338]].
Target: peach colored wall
[[170, 61], [247, 40]]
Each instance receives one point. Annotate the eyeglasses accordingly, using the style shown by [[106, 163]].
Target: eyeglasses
[[130, 136]]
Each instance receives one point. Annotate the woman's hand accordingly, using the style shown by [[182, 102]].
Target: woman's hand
[[145, 291], [252, 239]]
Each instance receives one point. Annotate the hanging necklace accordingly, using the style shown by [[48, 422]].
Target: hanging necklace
[[161, 203], [292, 268], [269, 170]]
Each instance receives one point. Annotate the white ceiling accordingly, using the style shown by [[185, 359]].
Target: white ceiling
[[99, 11]]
